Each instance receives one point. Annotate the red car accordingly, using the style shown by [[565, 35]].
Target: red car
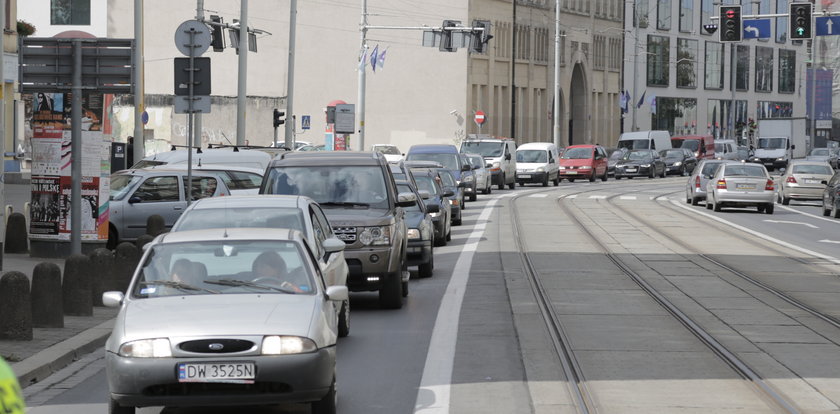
[[703, 146], [584, 161]]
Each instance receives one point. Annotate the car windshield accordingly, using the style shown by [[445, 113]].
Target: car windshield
[[617, 155], [812, 169], [214, 218], [224, 267], [577, 154], [819, 151], [387, 149], [673, 153], [426, 182], [738, 170], [638, 156], [710, 167], [447, 178], [476, 161], [121, 184], [634, 144], [484, 148], [331, 186], [531, 156], [771, 143], [719, 148], [449, 161], [402, 188], [691, 144]]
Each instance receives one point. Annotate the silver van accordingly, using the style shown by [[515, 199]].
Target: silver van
[[654, 140], [499, 155]]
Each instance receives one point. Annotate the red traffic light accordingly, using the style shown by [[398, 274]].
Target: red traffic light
[[730, 13]]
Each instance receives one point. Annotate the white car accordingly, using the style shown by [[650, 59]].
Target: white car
[[391, 152], [239, 180], [225, 156]]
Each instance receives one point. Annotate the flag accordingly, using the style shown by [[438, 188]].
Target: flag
[[641, 100], [622, 102], [363, 61], [381, 60], [653, 104], [626, 106], [374, 57]]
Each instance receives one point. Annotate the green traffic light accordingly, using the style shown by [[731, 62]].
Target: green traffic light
[[800, 31]]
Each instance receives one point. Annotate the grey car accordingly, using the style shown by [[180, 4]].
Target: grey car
[[138, 194], [224, 317], [695, 187], [481, 173], [829, 155], [740, 184], [803, 180]]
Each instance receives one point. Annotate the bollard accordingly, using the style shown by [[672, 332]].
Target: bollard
[[155, 225], [102, 272], [47, 302], [17, 238], [15, 307], [126, 258], [142, 241], [76, 286]]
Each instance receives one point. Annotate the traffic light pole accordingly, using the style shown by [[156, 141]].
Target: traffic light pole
[[290, 79], [241, 96], [556, 119], [360, 107]]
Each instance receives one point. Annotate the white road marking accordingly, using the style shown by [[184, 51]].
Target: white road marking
[[598, 197], [792, 222], [539, 195], [572, 196], [830, 241], [816, 216], [663, 198], [435, 390], [627, 198]]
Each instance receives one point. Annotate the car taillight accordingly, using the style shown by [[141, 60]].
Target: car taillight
[[721, 184], [791, 179], [697, 182], [769, 185]]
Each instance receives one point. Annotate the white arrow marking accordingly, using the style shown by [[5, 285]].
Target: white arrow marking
[[829, 24], [755, 30], [830, 241], [792, 222]]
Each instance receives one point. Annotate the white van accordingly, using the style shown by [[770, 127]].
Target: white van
[[537, 162], [253, 158], [654, 140], [498, 153], [726, 149]]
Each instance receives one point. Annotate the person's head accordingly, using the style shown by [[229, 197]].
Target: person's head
[[182, 271], [268, 264], [130, 139]]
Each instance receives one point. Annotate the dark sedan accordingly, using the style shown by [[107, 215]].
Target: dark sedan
[[457, 199], [678, 161], [640, 163], [831, 197], [427, 180], [613, 156], [421, 232]]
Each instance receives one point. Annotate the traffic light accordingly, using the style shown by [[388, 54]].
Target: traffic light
[[217, 34], [446, 43], [278, 117], [800, 20], [731, 29], [479, 38]]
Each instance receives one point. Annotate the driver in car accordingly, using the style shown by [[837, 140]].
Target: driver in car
[[270, 267]]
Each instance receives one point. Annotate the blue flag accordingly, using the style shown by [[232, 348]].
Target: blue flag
[[374, 57], [641, 100]]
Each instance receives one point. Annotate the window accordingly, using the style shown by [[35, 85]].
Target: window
[[742, 68], [773, 109], [599, 44], [663, 15], [658, 49], [642, 14], [719, 117], [686, 15], [202, 187], [70, 12], [686, 58], [677, 115], [714, 66], [787, 71], [705, 14], [781, 22], [156, 189], [763, 69]]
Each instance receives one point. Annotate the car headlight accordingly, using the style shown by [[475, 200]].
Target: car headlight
[[376, 235], [413, 234], [561, 167], [435, 214], [585, 167], [496, 164], [146, 348], [286, 345], [645, 165], [780, 159], [677, 164], [453, 202], [468, 179], [541, 169]]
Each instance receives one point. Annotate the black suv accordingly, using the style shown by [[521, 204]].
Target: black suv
[[357, 193]]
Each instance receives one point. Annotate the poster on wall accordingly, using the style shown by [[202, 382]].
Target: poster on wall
[[44, 206]]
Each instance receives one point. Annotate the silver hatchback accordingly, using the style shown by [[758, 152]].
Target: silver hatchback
[[741, 185]]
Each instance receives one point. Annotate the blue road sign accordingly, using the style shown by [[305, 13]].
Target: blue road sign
[[827, 25], [757, 29], [304, 122]]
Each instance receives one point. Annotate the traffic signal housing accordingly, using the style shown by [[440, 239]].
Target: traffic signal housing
[[217, 33], [446, 43], [479, 38], [731, 28], [279, 117], [801, 21]]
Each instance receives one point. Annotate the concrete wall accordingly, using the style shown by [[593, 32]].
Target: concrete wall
[[37, 12]]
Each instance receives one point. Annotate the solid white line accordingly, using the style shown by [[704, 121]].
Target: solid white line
[[572, 196], [435, 390], [829, 241], [791, 222], [540, 195], [627, 198], [598, 197], [809, 214]]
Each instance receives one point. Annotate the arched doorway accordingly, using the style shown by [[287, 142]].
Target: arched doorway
[[578, 102]]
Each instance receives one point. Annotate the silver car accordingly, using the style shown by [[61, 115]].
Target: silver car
[[277, 211], [138, 194], [482, 175], [695, 187], [829, 155], [741, 185], [224, 317], [803, 180]]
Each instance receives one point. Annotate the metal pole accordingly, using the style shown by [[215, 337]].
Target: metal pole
[[636, 55], [513, 77], [732, 59], [276, 136], [813, 103], [290, 80], [139, 146], [362, 70], [197, 127], [76, 152], [556, 119], [3, 131], [190, 103], [243, 74]]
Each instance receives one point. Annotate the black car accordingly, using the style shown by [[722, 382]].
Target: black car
[[421, 232], [831, 197], [427, 180], [613, 156], [457, 199], [640, 163], [678, 161]]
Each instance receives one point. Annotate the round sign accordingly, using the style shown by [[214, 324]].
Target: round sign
[[144, 117], [200, 39], [480, 117]]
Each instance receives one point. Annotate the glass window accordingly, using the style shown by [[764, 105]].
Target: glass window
[[676, 115], [156, 189], [686, 59], [332, 186], [531, 156], [714, 65], [269, 217], [449, 161], [70, 12], [787, 71], [241, 180], [705, 14], [202, 187], [813, 169], [736, 170], [763, 69], [781, 22], [483, 148], [663, 14], [772, 109], [686, 15], [742, 68], [642, 14], [580, 153], [426, 182], [447, 179], [121, 184], [657, 60]]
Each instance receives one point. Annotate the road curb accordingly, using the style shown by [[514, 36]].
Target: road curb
[[48, 361]]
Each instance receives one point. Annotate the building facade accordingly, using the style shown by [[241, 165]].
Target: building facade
[[682, 79], [11, 104]]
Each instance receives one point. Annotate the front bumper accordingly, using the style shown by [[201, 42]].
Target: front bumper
[[419, 252], [637, 172], [576, 173], [673, 168], [368, 268], [531, 177], [144, 382], [770, 162]]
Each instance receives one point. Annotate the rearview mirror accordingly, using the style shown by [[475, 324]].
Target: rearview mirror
[[424, 194], [433, 208], [333, 245], [448, 193], [406, 199], [488, 165], [462, 184], [337, 293], [824, 182], [507, 157], [465, 167]]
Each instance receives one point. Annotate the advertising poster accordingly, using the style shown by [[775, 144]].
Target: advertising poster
[[44, 206]]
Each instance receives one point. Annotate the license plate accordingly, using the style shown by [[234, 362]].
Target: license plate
[[524, 176], [631, 170], [768, 163], [571, 172], [745, 186], [230, 372], [812, 181]]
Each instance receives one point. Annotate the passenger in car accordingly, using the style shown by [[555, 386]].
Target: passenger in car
[[270, 267]]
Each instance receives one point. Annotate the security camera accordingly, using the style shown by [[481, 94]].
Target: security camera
[[453, 112]]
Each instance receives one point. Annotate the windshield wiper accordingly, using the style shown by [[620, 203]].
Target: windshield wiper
[[344, 204], [245, 283], [177, 285]]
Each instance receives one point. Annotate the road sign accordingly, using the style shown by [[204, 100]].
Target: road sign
[[757, 29], [201, 104], [827, 25], [144, 117], [201, 41], [305, 122], [345, 119], [480, 117], [46, 64], [201, 76]]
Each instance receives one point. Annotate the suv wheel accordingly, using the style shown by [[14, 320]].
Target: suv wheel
[[769, 208], [344, 319], [474, 195], [390, 293], [502, 182], [427, 269], [826, 211], [786, 200], [512, 185], [116, 408]]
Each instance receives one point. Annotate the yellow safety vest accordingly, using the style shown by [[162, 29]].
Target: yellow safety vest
[[11, 397]]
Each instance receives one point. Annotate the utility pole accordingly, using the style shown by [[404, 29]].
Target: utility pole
[[241, 101], [197, 128], [733, 58], [139, 146], [360, 106], [3, 129], [557, 39], [290, 80], [813, 103], [632, 103], [513, 77]]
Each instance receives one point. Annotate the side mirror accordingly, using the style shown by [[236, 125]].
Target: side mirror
[[406, 199], [782, 171], [112, 299], [466, 167], [134, 199], [448, 193], [462, 184], [824, 182], [507, 157], [337, 293], [433, 208], [476, 167], [333, 245], [425, 195], [793, 147], [488, 165]]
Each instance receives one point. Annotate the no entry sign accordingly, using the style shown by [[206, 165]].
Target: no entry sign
[[480, 117]]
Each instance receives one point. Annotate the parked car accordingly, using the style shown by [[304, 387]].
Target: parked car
[[640, 163], [358, 195], [741, 185], [537, 162], [391, 152], [829, 155], [678, 161], [613, 156], [140, 193], [239, 180], [222, 317], [275, 211], [695, 188], [224, 156], [498, 153], [421, 231], [650, 140], [428, 180], [457, 198], [831, 197], [482, 175], [803, 180], [584, 161]]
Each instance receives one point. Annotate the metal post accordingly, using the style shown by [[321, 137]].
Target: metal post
[[139, 146], [197, 127], [243, 74], [733, 57], [2, 130], [190, 109], [276, 136], [636, 55], [513, 76], [557, 39], [813, 103], [76, 152], [290, 80], [360, 110]]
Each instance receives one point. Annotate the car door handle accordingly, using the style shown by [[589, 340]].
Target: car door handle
[[179, 208]]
